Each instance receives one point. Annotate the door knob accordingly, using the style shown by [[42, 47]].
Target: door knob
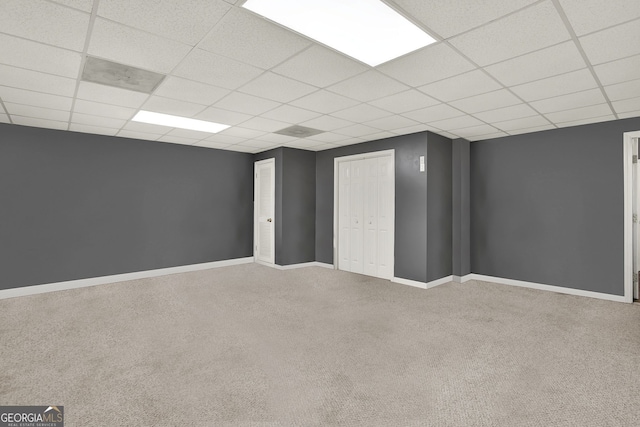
[[269, 220]]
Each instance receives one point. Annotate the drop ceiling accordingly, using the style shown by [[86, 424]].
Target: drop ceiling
[[498, 68]]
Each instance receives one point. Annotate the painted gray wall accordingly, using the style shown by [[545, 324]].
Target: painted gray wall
[[547, 207], [439, 207], [77, 205], [411, 202], [461, 226], [295, 204]]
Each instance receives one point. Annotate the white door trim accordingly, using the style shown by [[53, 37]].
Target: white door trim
[[628, 213], [336, 177], [256, 219]]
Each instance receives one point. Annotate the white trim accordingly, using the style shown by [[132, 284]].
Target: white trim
[[423, 285], [294, 266], [461, 279], [543, 287], [336, 176], [627, 164], [93, 281]]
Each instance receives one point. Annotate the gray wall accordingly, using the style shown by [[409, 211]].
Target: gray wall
[[295, 204], [547, 207], [411, 202], [461, 226], [439, 207], [77, 205]]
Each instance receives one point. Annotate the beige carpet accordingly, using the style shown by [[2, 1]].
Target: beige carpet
[[253, 346]]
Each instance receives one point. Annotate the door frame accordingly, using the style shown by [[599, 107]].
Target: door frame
[[336, 187], [628, 145], [255, 211]]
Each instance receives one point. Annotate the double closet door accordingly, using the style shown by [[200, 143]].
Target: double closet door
[[365, 216]]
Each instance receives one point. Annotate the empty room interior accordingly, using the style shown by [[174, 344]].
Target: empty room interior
[[279, 213]]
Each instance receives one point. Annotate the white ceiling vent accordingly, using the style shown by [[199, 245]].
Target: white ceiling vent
[[119, 75], [299, 131]]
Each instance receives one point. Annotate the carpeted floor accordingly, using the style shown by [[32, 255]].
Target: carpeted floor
[[253, 346]]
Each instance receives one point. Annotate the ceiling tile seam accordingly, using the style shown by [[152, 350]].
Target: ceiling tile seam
[[609, 27], [42, 43], [38, 106], [66, 6], [4, 108], [576, 41], [37, 71], [83, 59]]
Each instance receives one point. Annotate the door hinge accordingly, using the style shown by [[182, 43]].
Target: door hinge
[[635, 158], [635, 278], [635, 218]]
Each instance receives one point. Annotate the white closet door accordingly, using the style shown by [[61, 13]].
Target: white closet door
[[371, 217], [356, 214], [344, 220], [264, 211], [385, 228]]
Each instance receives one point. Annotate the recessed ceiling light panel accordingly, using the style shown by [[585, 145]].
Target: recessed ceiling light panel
[[299, 131], [110, 73], [367, 30], [177, 122]]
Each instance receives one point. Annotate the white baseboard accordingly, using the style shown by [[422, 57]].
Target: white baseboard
[[93, 281], [543, 287], [461, 279], [294, 266], [422, 285]]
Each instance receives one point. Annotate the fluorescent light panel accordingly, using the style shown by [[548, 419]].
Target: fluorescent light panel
[[177, 122], [367, 30]]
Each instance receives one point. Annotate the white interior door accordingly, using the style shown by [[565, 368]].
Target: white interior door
[[356, 215], [264, 219], [636, 219], [385, 214]]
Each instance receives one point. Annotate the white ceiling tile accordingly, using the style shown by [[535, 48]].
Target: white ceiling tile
[[530, 29], [267, 125], [486, 101], [324, 102], [216, 70], [361, 113], [242, 148], [4, 118], [323, 147], [45, 22], [547, 62], [522, 123], [129, 46], [567, 102], [351, 141], [485, 137], [627, 105], [447, 134], [84, 5], [289, 114], [187, 133], [580, 113], [447, 17], [277, 88], [219, 138], [242, 132], [137, 135], [221, 116], [391, 123], [379, 135], [506, 113], [259, 42], [97, 121], [460, 122], [434, 113], [22, 53], [248, 104], [159, 104], [75, 127], [188, 90], [473, 131], [613, 43], [177, 140], [368, 86], [618, 71], [404, 101], [357, 130], [36, 112], [187, 22], [587, 121], [587, 16], [39, 123], [327, 137], [110, 95], [432, 63], [531, 130], [37, 99], [326, 123], [257, 143], [563, 84], [320, 67], [462, 86], [629, 114], [36, 81], [210, 144], [415, 129], [624, 90], [302, 144], [274, 138], [105, 110], [146, 128]]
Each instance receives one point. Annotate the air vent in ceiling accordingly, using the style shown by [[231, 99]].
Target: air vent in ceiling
[[298, 131], [119, 75]]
